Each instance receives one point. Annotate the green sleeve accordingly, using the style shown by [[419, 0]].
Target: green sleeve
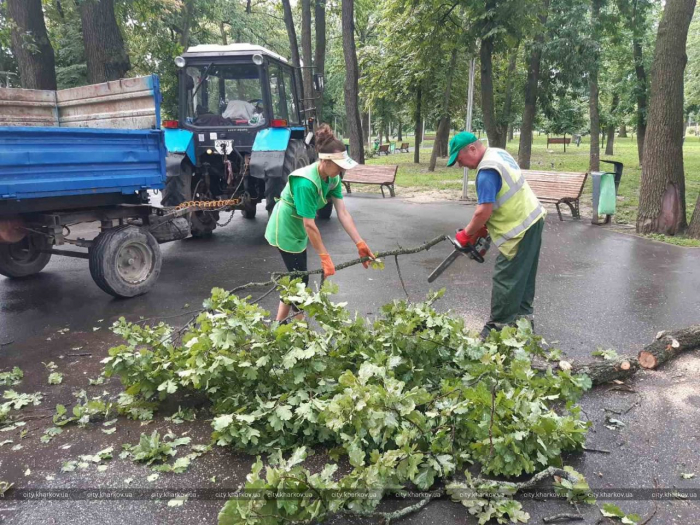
[[305, 197], [337, 192]]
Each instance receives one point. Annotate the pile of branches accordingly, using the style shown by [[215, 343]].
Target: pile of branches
[[407, 400]]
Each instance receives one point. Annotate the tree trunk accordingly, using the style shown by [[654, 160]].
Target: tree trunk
[[187, 14], [293, 44], [594, 164], [443, 130], [496, 138], [366, 132], [445, 141], [37, 68], [511, 133], [320, 51], [508, 103], [694, 227], [418, 127], [105, 53], [662, 191], [533, 76], [352, 75], [306, 52], [400, 136], [623, 131], [611, 127], [641, 88]]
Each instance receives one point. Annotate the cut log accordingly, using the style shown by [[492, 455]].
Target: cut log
[[668, 346]]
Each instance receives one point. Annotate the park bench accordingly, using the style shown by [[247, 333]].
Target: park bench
[[558, 188], [384, 148], [558, 140], [363, 174], [404, 147], [428, 137]]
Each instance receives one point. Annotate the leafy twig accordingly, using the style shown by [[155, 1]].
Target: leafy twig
[[398, 269], [493, 409], [563, 517]]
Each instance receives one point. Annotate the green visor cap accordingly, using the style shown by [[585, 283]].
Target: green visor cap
[[459, 141]]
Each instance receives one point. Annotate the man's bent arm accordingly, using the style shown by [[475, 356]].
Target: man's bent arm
[[481, 216]]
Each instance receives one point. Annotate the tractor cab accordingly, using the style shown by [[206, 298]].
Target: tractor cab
[[241, 129]]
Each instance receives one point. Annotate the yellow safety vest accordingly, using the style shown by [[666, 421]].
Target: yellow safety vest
[[285, 229], [516, 207]]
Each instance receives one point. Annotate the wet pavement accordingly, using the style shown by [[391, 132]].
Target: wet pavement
[[595, 288]]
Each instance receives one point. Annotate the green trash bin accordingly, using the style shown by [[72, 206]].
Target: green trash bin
[[604, 197]]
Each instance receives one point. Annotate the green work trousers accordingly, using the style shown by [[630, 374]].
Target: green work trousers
[[514, 280]]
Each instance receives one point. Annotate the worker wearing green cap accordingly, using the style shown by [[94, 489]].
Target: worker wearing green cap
[[509, 209]]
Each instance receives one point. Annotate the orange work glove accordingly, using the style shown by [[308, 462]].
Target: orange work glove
[[364, 251], [327, 264]]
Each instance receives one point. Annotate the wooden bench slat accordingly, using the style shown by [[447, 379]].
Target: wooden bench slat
[[557, 187], [382, 175]]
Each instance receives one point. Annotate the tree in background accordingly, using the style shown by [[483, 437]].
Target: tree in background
[[320, 51], [105, 51], [662, 191], [306, 51], [31, 45], [593, 109], [352, 99]]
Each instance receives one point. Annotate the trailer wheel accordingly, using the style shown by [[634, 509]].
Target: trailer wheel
[[23, 258], [295, 157], [125, 261]]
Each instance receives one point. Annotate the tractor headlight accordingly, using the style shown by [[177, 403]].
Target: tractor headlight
[[257, 59], [180, 62]]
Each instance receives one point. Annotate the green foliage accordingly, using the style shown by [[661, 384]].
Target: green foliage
[[16, 400], [608, 354], [409, 397], [575, 490], [12, 377], [610, 510], [152, 448]]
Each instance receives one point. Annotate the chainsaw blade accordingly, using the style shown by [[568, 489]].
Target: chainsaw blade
[[444, 265]]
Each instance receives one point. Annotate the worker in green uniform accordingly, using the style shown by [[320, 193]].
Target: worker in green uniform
[[292, 222], [514, 217]]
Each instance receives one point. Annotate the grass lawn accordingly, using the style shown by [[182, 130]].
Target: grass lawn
[[575, 159]]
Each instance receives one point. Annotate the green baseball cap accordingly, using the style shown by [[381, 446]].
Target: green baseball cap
[[459, 141]]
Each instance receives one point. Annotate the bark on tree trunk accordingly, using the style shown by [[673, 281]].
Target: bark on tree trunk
[[662, 191], [306, 52], [533, 76], [366, 132], [623, 131], [444, 125], [496, 138], [641, 87], [511, 132], [320, 51], [418, 127], [611, 127], [37, 68], [445, 141], [400, 135], [506, 118], [105, 53], [187, 14], [694, 227], [293, 44], [594, 164], [352, 109]]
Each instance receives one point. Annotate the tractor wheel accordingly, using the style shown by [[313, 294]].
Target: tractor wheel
[[125, 261], [181, 186], [296, 157], [325, 212], [24, 258], [250, 211]]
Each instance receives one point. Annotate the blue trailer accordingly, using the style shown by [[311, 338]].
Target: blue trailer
[[82, 155]]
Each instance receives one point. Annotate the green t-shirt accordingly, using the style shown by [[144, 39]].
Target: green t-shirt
[[306, 195]]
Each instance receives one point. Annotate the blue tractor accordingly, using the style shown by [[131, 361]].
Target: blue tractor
[[241, 131]]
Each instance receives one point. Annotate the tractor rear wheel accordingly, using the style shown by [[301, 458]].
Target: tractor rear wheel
[[295, 157]]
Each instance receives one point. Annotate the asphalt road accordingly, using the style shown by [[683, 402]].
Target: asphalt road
[[595, 288]]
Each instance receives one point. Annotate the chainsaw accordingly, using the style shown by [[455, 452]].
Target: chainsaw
[[474, 251]]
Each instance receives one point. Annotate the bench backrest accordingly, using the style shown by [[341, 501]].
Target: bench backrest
[[372, 174], [556, 184], [559, 140], [404, 145], [384, 147]]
